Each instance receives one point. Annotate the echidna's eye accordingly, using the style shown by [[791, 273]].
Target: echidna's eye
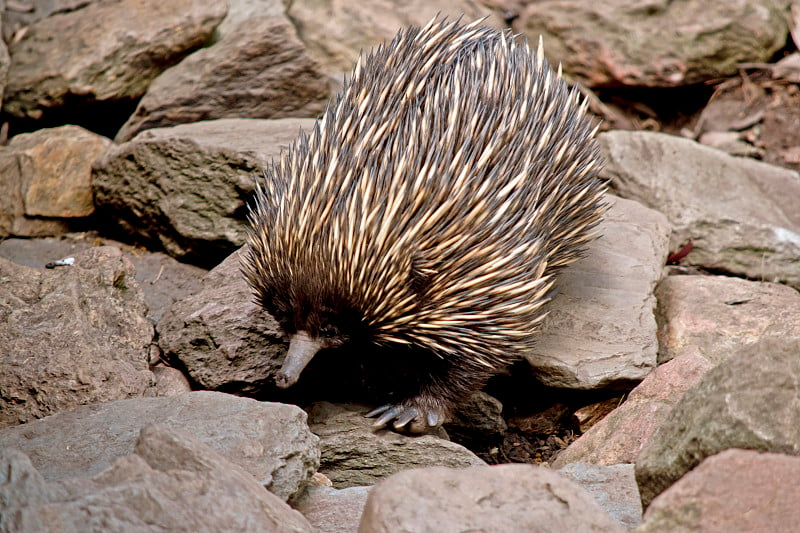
[[329, 331]]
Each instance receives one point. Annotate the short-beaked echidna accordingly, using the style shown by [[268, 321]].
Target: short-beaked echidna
[[430, 207]]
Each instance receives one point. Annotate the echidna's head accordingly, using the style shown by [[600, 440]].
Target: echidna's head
[[312, 319]]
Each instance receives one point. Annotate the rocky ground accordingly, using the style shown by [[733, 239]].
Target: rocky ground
[[136, 374]]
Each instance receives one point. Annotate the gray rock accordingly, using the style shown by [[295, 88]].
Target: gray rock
[[714, 316], [257, 69], [748, 401], [600, 329], [619, 437], [223, 339], [162, 279], [657, 44], [71, 336], [269, 441], [336, 32], [185, 187], [355, 454], [330, 510], [170, 482], [489, 498], [123, 46], [735, 490], [741, 215], [613, 487]]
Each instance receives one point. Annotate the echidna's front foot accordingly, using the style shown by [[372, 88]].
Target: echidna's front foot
[[408, 416]]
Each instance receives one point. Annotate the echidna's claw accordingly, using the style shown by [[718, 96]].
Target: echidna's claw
[[407, 418]]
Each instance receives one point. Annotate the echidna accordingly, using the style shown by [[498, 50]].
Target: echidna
[[430, 207]]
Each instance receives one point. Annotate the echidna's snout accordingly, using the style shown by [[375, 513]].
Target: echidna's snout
[[302, 349]]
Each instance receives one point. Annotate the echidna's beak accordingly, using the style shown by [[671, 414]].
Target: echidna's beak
[[302, 348]]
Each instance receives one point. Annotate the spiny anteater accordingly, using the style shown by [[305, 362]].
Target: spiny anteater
[[430, 206]]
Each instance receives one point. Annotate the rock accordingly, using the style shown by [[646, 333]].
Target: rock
[[170, 482], [185, 187], [748, 401], [735, 490], [269, 441], [741, 215], [329, 510], [336, 32], [220, 336], [714, 316], [16, 169], [600, 330], [619, 437], [479, 419], [355, 454], [163, 280], [59, 183], [5, 63], [509, 497], [613, 487], [123, 46], [257, 69], [658, 44], [71, 336]]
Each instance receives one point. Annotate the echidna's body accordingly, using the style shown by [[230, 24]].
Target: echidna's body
[[430, 206]]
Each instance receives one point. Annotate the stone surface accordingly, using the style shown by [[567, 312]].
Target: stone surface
[[619, 437], [355, 454], [269, 441], [601, 330], [330, 510], [655, 44], [163, 280], [185, 187], [488, 498], [258, 68], [220, 336], [741, 215], [751, 400], [336, 31], [60, 179], [735, 490], [71, 336], [170, 482], [613, 487], [123, 45], [16, 169], [714, 316]]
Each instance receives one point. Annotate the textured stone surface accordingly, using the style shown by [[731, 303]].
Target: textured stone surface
[[619, 437], [185, 187], [170, 482], [330, 510], [751, 401], [735, 490], [163, 280], [740, 214], [335, 31], [613, 487], [59, 183], [71, 336], [355, 454], [258, 68], [601, 330], [269, 441], [220, 336], [655, 44], [714, 316], [489, 498], [123, 45]]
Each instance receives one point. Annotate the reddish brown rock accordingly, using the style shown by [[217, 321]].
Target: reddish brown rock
[[735, 490]]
